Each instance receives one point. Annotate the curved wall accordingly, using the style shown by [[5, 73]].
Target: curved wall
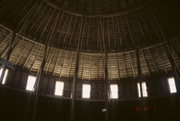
[[61, 63], [160, 105]]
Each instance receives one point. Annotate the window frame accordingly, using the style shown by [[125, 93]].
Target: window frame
[[59, 88], [144, 89], [172, 85], [86, 93], [114, 93], [30, 85], [4, 79]]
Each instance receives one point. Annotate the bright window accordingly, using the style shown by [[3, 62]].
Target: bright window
[[59, 88], [172, 85], [30, 83], [114, 91], [86, 90], [5, 75], [144, 89]]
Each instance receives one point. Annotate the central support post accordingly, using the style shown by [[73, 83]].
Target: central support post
[[73, 101], [107, 88], [140, 80]]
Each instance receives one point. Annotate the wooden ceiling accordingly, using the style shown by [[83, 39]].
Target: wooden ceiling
[[69, 26], [96, 7], [61, 63], [135, 28]]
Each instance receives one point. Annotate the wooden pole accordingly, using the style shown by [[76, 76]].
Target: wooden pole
[[73, 101], [37, 86], [107, 88], [175, 68], [140, 80], [39, 80], [8, 56], [72, 117], [107, 83]]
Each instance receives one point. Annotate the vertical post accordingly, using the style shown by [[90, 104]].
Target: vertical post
[[73, 101], [8, 56], [38, 85], [175, 69], [107, 89], [72, 117], [107, 83], [169, 51], [40, 73], [140, 79], [169, 54]]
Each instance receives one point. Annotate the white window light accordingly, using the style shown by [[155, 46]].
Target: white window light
[[86, 90], [114, 91], [59, 88], [5, 75], [144, 89], [172, 85], [30, 83], [139, 89]]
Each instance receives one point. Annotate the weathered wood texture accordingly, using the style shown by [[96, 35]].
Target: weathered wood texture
[[61, 63], [134, 28]]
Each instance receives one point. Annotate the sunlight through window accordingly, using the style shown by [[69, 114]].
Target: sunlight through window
[[114, 91], [5, 75], [59, 88], [172, 85], [86, 90], [144, 89], [30, 83]]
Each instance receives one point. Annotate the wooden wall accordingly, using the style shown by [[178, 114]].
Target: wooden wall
[[159, 106]]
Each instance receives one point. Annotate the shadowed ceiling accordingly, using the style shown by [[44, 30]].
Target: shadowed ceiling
[[96, 7], [114, 32], [91, 27]]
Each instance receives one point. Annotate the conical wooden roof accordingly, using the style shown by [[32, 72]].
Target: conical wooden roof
[[93, 28]]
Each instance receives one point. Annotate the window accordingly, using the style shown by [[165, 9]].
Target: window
[[114, 91], [59, 88], [30, 83], [172, 85], [144, 89], [86, 91], [5, 75]]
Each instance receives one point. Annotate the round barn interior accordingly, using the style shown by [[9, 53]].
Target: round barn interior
[[89, 60]]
